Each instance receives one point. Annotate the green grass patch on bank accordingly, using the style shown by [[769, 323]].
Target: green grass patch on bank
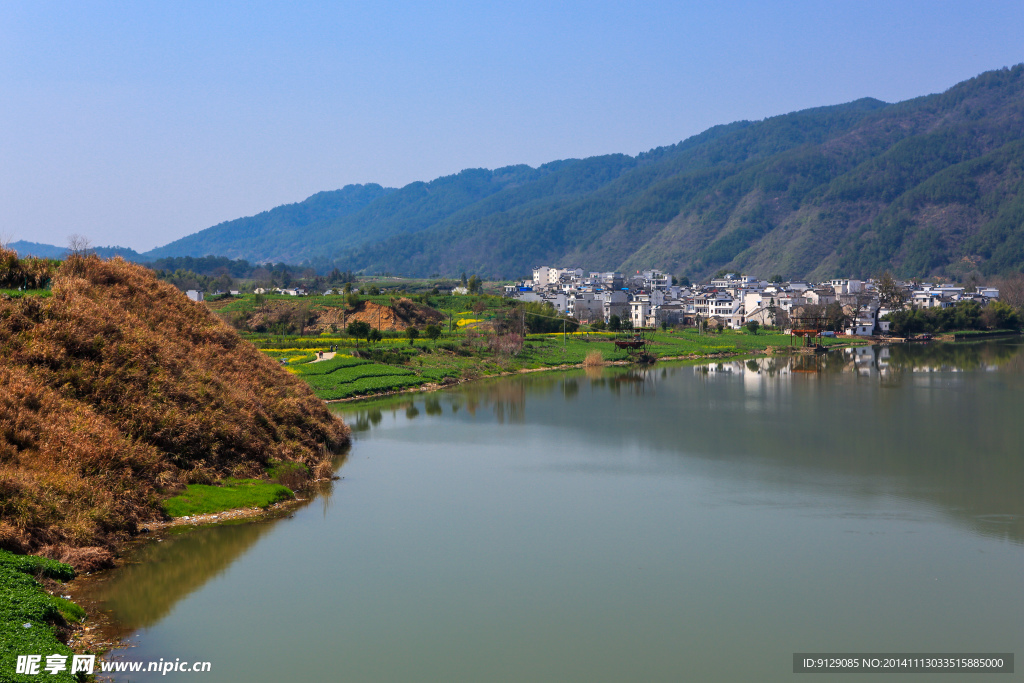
[[201, 499], [16, 293], [342, 377], [28, 615]]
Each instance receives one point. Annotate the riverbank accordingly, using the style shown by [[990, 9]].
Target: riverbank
[[115, 392], [390, 367], [443, 491], [34, 619], [430, 387]]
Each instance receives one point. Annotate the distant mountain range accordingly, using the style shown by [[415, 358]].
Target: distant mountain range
[[930, 186], [49, 251]]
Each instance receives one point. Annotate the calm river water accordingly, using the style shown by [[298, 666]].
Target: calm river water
[[676, 523]]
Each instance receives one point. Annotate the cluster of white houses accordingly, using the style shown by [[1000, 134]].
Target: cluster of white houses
[[650, 299]]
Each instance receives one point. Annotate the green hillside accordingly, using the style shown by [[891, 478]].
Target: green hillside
[[276, 235], [928, 186]]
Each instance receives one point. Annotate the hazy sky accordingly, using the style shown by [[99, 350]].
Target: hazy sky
[[136, 123]]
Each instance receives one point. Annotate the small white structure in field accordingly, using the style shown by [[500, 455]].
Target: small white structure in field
[[194, 295]]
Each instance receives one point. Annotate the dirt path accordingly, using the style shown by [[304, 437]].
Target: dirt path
[[327, 355]]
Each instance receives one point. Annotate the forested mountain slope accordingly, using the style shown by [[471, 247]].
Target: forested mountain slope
[[933, 185], [269, 236]]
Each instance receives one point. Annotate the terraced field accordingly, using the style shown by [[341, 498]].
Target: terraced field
[[342, 377]]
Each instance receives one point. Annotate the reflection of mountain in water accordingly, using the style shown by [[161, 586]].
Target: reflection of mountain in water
[[938, 423]]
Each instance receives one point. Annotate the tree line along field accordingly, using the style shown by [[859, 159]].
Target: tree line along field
[[479, 337]]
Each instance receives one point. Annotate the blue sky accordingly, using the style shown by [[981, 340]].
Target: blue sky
[[136, 123]]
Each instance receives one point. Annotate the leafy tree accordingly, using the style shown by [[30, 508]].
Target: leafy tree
[[836, 317], [597, 326], [614, 323], [475, 285], [752, 326], [412, 333], [375, 336], [543, 318], [357, 329], [1000, 315], [352, 299], [432, 332], [965, 315]]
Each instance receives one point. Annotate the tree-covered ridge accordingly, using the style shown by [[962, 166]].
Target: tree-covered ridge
[[923, 187], [266, 236]]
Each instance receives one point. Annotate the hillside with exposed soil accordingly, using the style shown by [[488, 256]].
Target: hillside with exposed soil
[[299, 316], [401, 315]]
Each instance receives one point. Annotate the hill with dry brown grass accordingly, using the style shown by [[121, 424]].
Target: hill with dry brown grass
[[303, 316], [117, 390]]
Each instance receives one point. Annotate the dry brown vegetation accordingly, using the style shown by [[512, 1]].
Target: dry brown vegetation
[[401, 315], [31, 273], [302, 316], [118, 389]]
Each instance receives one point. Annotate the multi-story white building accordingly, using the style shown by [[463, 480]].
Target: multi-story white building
[[846, 286], [640, 310], [545, 276], [720, 305]]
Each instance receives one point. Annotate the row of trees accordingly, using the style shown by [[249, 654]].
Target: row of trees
[[358, 329], [965, 315]]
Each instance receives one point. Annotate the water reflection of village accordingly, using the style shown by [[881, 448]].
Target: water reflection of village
[[884, 362], [506, 397], [907, 403], [776, 420]]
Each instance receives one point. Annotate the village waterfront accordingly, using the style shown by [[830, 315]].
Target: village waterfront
[[698, 521]]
